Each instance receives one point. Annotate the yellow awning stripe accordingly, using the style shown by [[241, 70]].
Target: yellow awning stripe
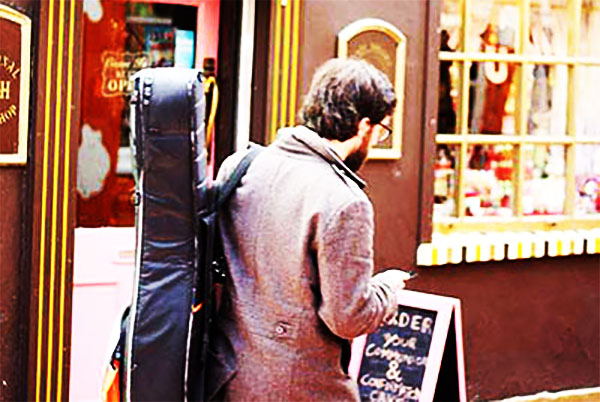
[[479, 247]]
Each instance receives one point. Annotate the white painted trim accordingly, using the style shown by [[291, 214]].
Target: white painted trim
[[124, 160], [244, 98]]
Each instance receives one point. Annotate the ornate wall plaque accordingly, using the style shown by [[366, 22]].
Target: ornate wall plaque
[[15, 45], [383, 45]]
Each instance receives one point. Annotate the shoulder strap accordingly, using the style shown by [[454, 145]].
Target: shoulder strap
[[229, 186]]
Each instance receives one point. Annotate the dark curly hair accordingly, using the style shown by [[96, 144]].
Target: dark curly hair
[[343, 92]]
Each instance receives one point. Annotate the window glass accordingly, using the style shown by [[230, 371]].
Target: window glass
[[451, 25], [530, 106], [587, 179], [492, 98], [489, 188], [587, 162], [493, 26], [444, 186], [590, 28], [548, 33], [544, 184], [547, 96], [448, 96], [588, 115]]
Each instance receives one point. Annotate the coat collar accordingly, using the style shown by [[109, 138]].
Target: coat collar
[[301, 139]]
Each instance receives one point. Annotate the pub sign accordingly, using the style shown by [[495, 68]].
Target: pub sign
[[383, 45], [15, 45]]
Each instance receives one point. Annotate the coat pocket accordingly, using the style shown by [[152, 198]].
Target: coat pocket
[[221, 363]]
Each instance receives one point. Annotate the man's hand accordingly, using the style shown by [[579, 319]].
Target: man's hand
[[394, 278]]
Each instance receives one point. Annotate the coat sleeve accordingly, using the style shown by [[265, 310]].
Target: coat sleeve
[[352, 301]]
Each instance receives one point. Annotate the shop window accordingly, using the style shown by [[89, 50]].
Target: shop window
[[120, 38], [518, 117]]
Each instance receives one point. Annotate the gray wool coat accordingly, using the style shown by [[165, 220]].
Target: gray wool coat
[[298, 236]]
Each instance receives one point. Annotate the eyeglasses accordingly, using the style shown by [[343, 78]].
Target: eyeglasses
[[385, 134]]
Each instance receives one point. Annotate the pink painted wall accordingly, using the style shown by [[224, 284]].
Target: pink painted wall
[[104, 260], [208, 30]]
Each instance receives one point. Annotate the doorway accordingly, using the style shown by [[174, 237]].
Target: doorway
[[119, 39]]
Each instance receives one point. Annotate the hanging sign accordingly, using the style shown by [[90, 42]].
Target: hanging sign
[[15, 31], [416, 356], [383, 45], [118, 68]]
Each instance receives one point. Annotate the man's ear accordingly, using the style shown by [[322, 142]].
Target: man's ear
[[364, 127]]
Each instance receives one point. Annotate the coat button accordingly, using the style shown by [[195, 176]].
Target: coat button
[[280, 329]]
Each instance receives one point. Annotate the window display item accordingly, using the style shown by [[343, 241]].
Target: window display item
[[491, 84], [160, 45], [184, 48]]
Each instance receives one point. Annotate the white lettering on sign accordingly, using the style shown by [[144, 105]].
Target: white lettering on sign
[[390, 339], [393, 373], [381, 383], [386, 390], [394, 355], [406, 394], [415, 322], [117, 69], [8, 114], [9, 66], [121, 86], [12, 69], [4, 90]]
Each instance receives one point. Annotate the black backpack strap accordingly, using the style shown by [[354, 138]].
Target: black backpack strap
[[229, 186]]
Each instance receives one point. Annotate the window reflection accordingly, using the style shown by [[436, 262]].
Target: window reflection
[[497, 17], [547, 89], [587, 162], [548, 33], [447, 94], [491, 91], [587, 179], [590, 28], [544, 185], [451, 23], [489, 189], [445, 174]]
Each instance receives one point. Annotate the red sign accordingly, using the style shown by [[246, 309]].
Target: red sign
[[15, 31], [117, 69]]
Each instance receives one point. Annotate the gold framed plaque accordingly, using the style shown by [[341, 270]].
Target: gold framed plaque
[[15, 31], [383, 45]]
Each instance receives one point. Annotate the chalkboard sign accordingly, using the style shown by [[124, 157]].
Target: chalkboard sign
[[416, 356]]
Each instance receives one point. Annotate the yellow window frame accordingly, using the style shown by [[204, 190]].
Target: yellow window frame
[[456, 230]]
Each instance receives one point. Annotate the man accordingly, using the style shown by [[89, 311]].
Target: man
[[298, 236]]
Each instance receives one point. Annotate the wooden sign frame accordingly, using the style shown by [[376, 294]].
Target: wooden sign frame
[[448, 319], [345, 36], [20, 157]]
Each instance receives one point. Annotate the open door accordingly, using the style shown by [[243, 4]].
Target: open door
[[119, 38]]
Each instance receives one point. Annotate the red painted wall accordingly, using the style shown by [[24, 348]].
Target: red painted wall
[[529, 325]]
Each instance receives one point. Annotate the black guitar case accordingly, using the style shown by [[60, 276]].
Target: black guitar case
[[167, 116], [169, 345]]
